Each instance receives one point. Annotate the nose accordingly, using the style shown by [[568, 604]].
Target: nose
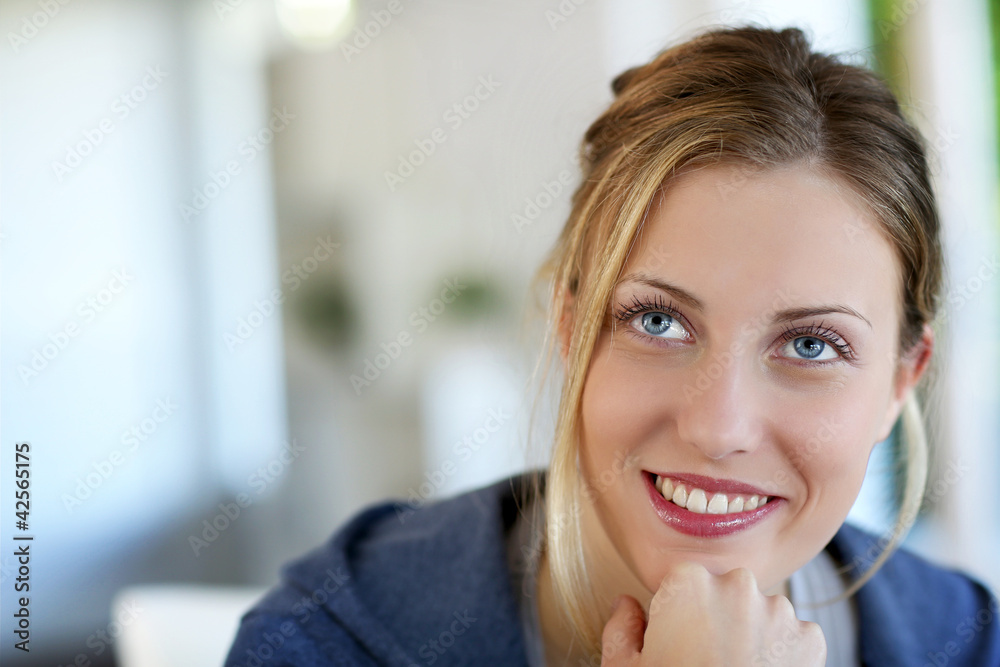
[[717, 414]]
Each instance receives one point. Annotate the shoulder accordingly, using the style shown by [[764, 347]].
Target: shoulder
[[914, 611], [399, 585]]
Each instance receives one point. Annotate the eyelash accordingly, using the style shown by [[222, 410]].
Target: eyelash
[[825, 334], [626, 313]]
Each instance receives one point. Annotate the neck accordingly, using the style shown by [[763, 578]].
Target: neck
[[608, 576]]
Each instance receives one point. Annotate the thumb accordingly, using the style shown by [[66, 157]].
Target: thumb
[[621, 640]]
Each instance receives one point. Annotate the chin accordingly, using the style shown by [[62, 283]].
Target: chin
[[716, 563]]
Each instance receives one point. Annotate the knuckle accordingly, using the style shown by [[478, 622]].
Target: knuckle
[[782, 606], [634, 624], [661, 599], [742, 577], [614, 645], [612, 624], [813, 632], [680, 578], [610, 631], [688, 569]]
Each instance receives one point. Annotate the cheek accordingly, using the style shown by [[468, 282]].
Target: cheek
[[830, 453], [829, 438], [619, 413]]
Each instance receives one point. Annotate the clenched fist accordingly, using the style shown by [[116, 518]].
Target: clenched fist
[[700, 619]]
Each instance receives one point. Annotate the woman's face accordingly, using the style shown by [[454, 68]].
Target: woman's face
[[749, 351]]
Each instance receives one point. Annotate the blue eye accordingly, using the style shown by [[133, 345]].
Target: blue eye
[[811, 348], [653, 318], [657, 324], [815, 343]]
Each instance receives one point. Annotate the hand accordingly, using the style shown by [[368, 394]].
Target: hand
[[700, 619]]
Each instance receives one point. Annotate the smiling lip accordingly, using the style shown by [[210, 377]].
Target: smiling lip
[[710, 485], [708, 525]]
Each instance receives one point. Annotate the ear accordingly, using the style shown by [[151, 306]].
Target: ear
[[908, 373]]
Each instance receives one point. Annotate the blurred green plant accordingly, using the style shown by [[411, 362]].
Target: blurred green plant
[[887, 20], [479, 297], [327, 312]]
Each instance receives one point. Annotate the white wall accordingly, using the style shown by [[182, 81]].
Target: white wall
[[114, 82]]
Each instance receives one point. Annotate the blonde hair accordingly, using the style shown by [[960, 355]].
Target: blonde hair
[[753, 97]]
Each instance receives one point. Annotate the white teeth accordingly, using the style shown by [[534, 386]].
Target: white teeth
[[719, 504], [697, 502]]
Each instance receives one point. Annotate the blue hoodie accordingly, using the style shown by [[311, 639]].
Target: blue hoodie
[[410, 588]]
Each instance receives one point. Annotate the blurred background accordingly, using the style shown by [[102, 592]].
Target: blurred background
[[266, 262]]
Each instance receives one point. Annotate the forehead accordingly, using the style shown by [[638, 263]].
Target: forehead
[[732, 235]]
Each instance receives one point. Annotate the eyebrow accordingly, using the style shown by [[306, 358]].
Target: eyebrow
[[786, 315]]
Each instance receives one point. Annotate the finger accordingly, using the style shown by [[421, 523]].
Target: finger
[[621, 640], [815, 641]]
